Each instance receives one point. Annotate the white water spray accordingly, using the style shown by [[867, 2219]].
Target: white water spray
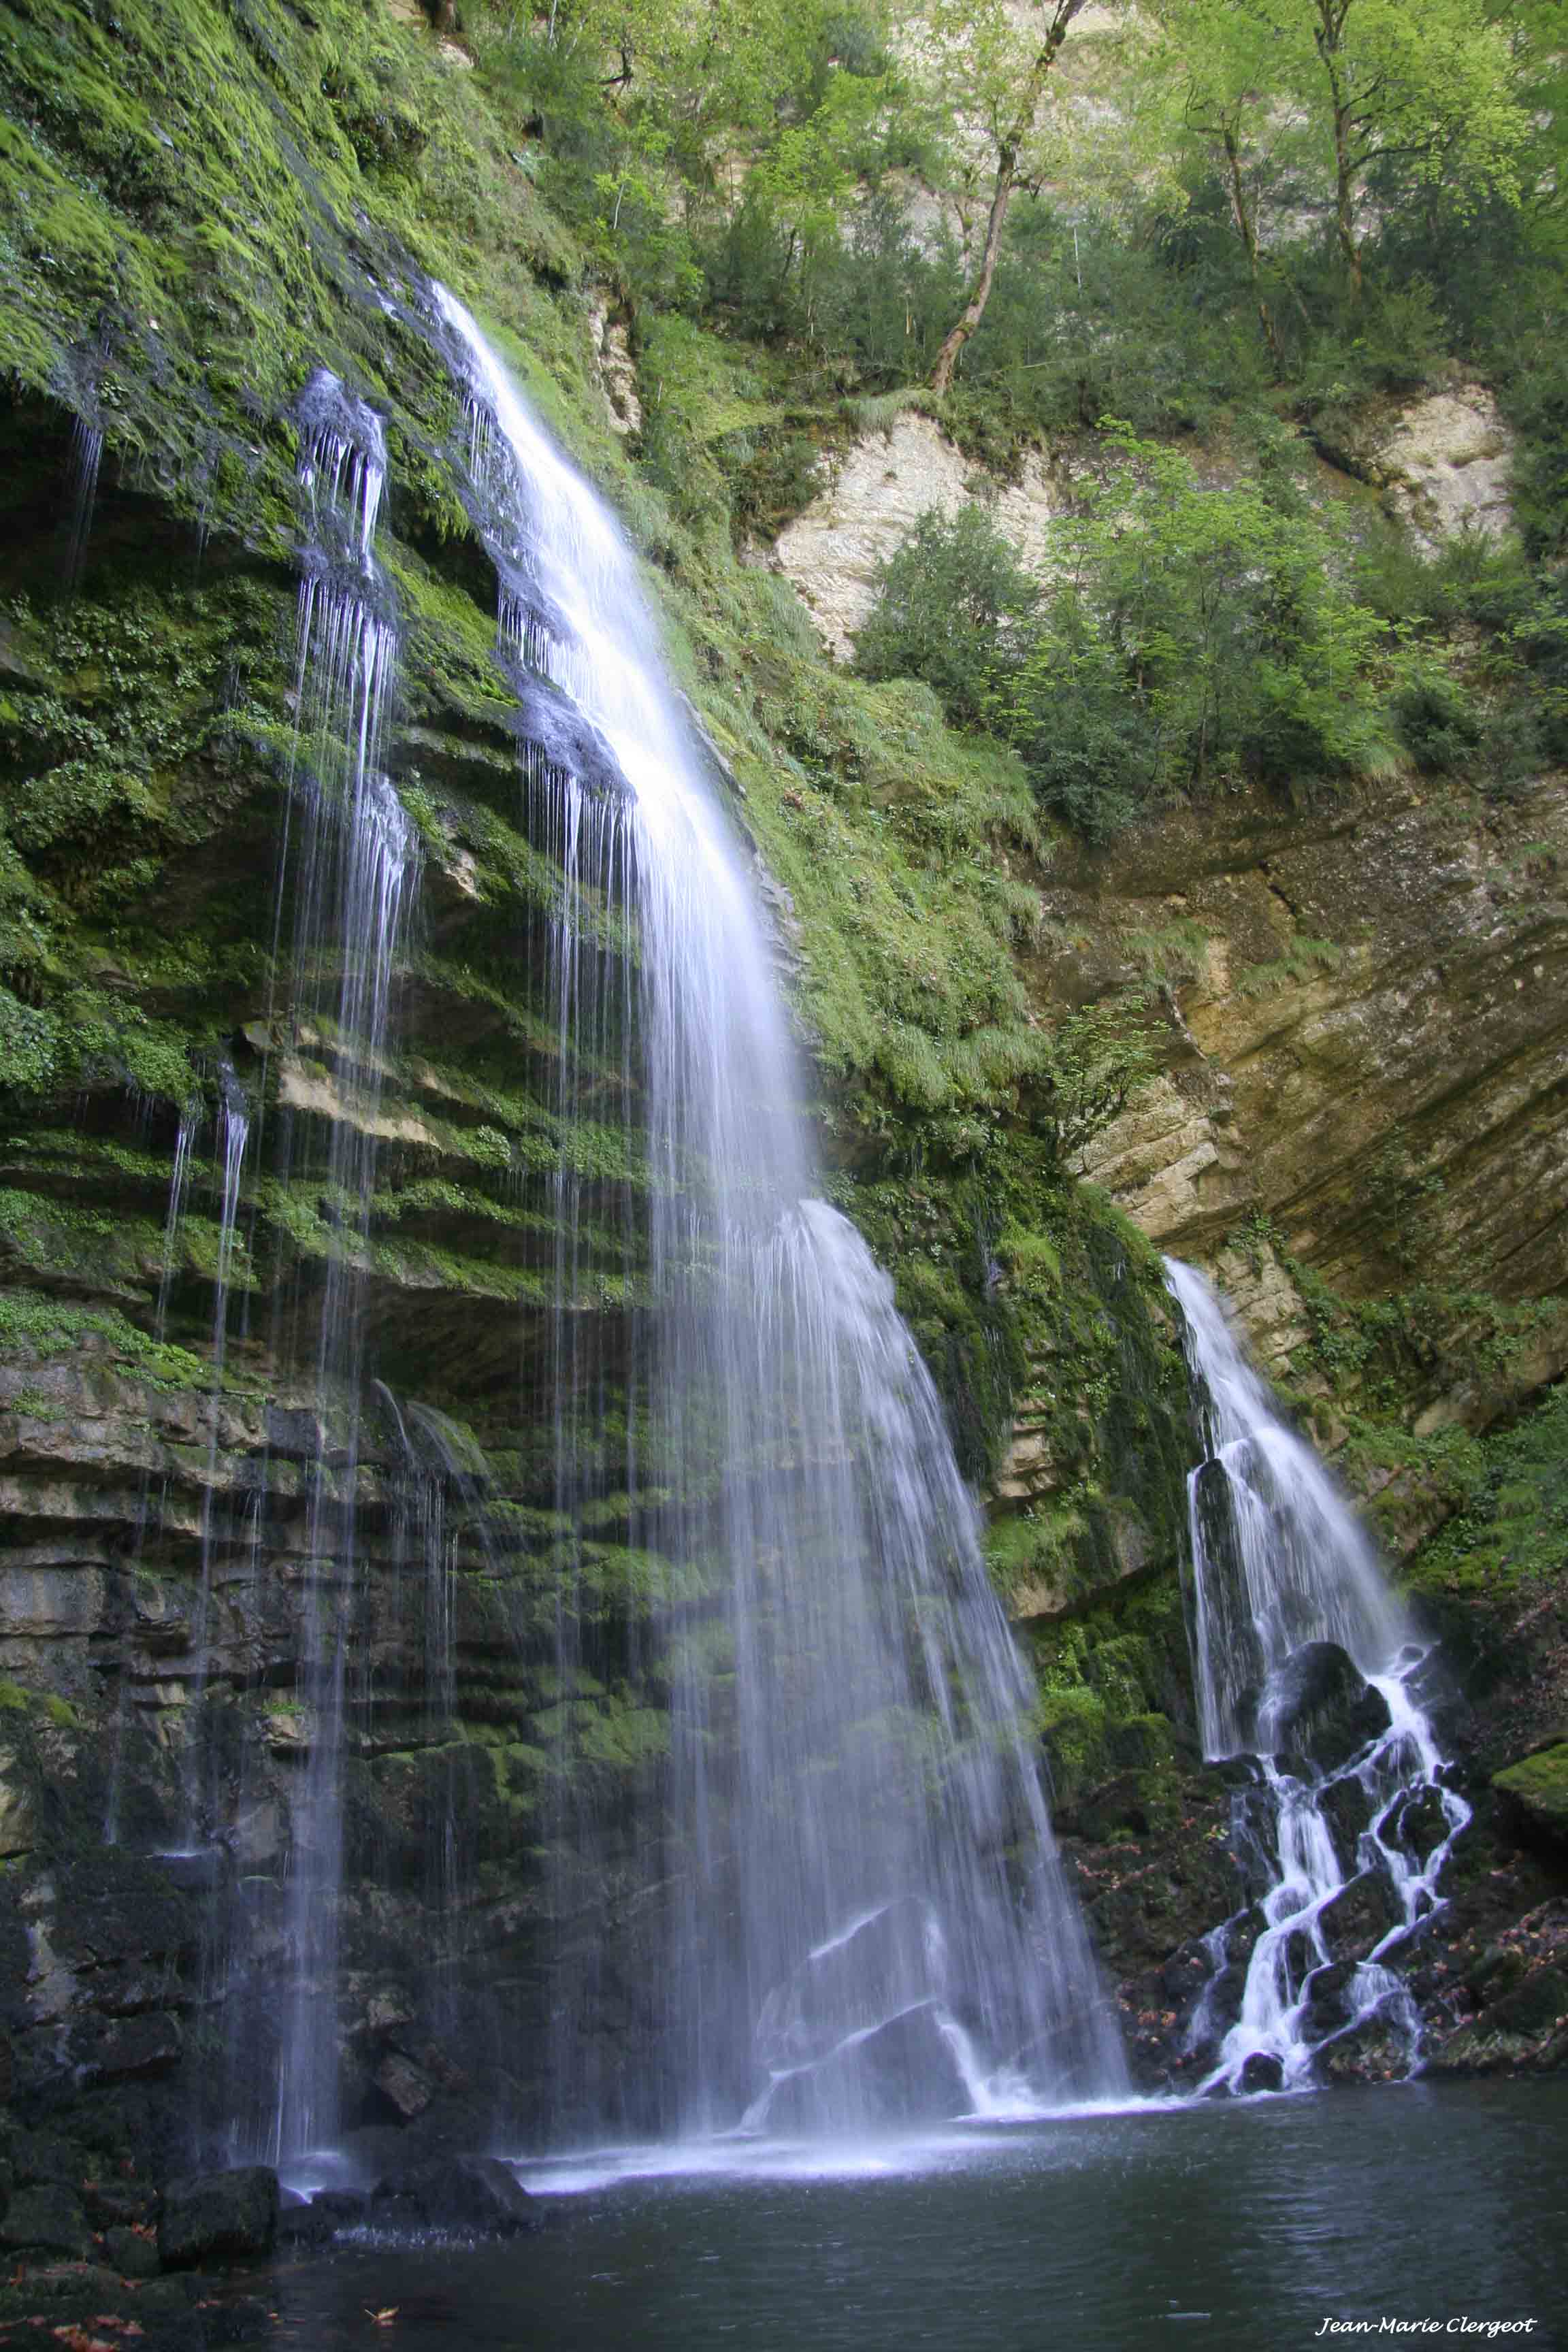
[[1280, 1562], [869, 1922]]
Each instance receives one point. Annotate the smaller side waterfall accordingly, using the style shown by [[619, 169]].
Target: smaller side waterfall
[[1306, 1662]]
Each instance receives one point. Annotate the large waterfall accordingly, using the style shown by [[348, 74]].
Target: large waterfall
[[1288, 1607], [866, 1921]]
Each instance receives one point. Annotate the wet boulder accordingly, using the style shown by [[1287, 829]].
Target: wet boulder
[[316, 2220], [1347, 1810], [1360, 1916], [460, 2195], [1420, 1824], [217, 2216], [1378, 2050], [903, 2072], [1536, 1792], [1318, 1711], [1262, 2072], [1331, 2001], [47, 2217]]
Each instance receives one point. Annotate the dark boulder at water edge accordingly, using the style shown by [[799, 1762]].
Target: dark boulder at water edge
[[464, 2196], [218, 2215]]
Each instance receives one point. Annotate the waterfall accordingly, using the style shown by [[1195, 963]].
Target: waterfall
[[350, 873], [864, 1919], [234, 1133], [1281, 1568]]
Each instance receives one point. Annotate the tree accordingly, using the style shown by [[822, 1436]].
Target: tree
[[1411, 83], [1193, 635], [954, 607], [1221, 60], [1011, 107], [1368, 84]]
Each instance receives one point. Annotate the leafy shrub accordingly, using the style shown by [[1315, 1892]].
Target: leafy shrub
[[954, 607]]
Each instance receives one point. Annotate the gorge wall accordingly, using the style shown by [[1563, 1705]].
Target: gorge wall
[[1358, 1123]]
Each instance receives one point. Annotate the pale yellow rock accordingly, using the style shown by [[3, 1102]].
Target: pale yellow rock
[[1446, 466], [879, 491]]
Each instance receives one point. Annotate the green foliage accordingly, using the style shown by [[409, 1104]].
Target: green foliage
[[954, 607], [1513, 1531], [1302, 959], [47, 1327], [1189, 635], [1091, 1065]]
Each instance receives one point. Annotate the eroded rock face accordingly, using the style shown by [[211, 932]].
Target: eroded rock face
[[878, 492], [1368, 1045], [1446, 465], [616, 369]]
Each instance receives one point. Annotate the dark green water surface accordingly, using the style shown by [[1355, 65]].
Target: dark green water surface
[[1243, 2226]]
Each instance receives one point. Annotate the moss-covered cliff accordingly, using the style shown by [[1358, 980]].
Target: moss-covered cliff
[[1357, 1116]]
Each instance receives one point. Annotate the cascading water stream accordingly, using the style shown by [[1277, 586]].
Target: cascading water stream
[[868, 1921], [352, 873], [1281, 1565], [234, 1133]]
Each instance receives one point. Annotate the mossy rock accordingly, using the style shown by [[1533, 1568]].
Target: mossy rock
[[1536, 1788]]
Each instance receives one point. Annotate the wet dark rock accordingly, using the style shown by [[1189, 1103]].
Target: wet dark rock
[[133, 2255], [317, 2220], [1375, 2050], [198, 1872], [1186, 1973], [1359, 1917], [1331, 2001], [403, 2083], [1262, 2072], [1347, 1809], [464, 2196], [1420, 1825], [1318, 1711], [49, 2216], [1434, 1686], [112, 2049], [219, 2214]]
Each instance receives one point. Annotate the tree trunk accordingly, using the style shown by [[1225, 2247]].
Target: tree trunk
[[1327, 39], [974, 310], [1008, 148], [1344, 200], [1249, 228]]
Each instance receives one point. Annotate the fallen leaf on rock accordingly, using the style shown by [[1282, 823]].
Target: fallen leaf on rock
[[385, 2317]]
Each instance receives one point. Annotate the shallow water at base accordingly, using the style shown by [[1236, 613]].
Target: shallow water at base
[[1244, 2225]]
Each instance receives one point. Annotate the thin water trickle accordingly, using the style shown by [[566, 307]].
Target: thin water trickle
[[352, 869], [867, 1921], [86, 458], [1280, 1563], [234, 1133], [179, 1181], [189, 1128]]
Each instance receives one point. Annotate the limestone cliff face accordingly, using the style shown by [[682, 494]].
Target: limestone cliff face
[[1368, 1036]]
